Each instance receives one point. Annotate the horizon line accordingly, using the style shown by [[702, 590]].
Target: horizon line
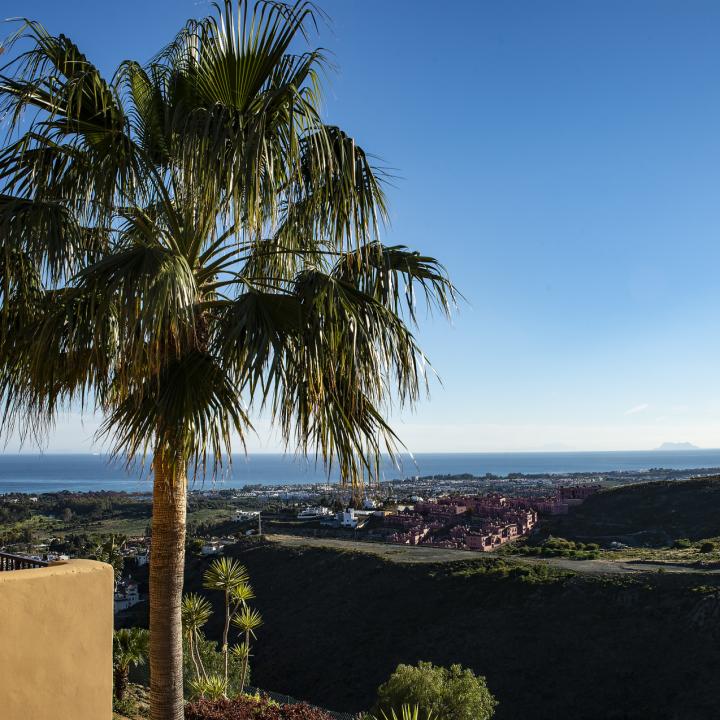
[[406, 453]]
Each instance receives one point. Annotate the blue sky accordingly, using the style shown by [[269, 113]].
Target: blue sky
[[563, 160]]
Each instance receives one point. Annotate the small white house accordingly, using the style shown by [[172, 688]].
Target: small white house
[[348, 518], [126, 595]]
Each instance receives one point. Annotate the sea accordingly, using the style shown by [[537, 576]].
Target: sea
[[43, 473]]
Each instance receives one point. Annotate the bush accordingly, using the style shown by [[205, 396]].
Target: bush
[[707, 547], [126, 706], [682, 544], [251, 708], [455, 693]]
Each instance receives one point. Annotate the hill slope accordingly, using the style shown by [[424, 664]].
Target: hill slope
[[551, 645], [653, 513]]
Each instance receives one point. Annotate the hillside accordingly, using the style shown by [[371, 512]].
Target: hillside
[[552, 645], [653, 514]]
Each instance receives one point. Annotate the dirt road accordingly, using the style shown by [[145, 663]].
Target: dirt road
[[422, 554]]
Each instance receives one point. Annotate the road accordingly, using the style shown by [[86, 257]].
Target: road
[[423, 554]]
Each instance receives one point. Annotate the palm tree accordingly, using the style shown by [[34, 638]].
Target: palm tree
[[189, 242], [130, 648], [110, 552], [227, 575]]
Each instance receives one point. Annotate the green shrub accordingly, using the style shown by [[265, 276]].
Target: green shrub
[[455, 693], [125, 706], [682, 544]]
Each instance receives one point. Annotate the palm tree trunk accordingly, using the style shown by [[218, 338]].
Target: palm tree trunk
[[167, 565], [122, 673]]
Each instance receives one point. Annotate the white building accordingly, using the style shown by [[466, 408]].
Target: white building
[[314, 513], [348, 518], [211, 548], [126, 595]]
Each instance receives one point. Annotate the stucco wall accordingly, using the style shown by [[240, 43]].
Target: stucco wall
[[56, 627]]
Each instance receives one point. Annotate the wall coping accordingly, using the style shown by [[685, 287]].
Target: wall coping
[[56, 569]]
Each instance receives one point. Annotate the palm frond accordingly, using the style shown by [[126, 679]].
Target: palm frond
[[225, 574], [391, 275], [195, 612], [191, 408]]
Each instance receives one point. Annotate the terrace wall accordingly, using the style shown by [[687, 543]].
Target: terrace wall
[[56, 626]]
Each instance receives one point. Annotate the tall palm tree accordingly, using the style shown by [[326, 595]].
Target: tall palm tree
[[130, 648], [189, 242]]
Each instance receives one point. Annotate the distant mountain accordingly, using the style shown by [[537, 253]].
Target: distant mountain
[[678, 446]]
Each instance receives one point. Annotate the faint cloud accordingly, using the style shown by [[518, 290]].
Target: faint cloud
[[636, 409]]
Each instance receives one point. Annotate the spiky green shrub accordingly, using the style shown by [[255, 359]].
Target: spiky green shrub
[[211, 687], [407, 713]]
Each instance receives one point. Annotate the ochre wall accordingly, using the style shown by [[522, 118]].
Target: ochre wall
[[56, 626]]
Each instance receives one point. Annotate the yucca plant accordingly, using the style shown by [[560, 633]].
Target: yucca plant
[[247, 621], [212, 687], [195, 612], [187, 236], [407, 712], [227, 575]]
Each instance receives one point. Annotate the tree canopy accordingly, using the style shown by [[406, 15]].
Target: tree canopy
[[188, 242]]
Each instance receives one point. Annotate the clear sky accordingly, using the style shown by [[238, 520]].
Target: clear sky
[[563, 159]]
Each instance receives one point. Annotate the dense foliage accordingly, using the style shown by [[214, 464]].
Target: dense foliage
[[559, 547], [250, 708], [453, 692]]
